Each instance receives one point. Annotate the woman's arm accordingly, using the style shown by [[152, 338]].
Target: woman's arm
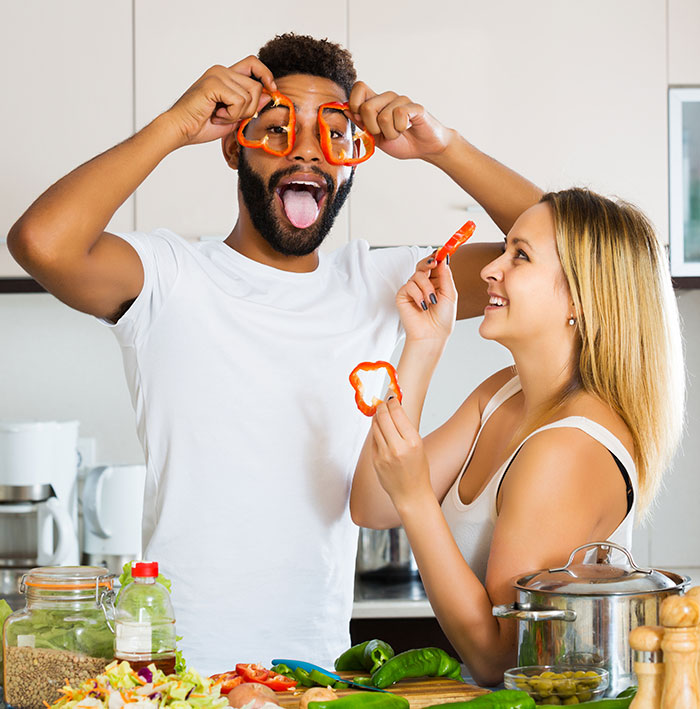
[[550, 505], [427, 304]]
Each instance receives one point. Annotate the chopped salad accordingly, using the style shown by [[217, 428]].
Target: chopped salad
[[147, 688]]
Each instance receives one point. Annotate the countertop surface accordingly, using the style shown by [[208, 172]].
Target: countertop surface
[[398, 599]]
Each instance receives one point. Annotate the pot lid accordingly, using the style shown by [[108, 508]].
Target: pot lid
[[597, 576]]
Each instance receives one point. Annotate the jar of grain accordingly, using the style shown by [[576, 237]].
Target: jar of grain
[[64, 633]]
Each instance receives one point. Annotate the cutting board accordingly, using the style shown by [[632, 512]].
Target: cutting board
[[419, 692]]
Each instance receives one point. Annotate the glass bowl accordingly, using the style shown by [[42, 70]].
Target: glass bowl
[[558, 684]]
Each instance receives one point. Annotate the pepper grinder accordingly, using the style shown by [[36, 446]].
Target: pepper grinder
[[679, 617], [694, 593], [645, 640]]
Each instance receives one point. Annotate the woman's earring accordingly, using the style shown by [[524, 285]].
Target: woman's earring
[[572, 320]]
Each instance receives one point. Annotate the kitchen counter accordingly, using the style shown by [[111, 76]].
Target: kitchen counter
[[405, 599]]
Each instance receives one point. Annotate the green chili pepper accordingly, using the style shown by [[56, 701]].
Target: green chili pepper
[[339, 684], [503, 699], [426, 661], [321, 679], [365, 681], [629, 692], [363, 700], [375, 654], [303, 678], [351, 659], [282, 669]]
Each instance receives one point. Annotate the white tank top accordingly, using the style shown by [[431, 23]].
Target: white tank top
[[472, 525]]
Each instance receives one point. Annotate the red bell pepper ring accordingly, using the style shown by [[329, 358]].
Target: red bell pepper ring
[[326, 145], [455, 241], [227, 681], [362, 405], [278, 99], [261, 675]]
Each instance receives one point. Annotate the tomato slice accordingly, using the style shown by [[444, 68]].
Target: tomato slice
[[227, 681], [253, 673]]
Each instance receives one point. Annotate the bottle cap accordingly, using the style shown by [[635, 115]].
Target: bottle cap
[[144, 569]]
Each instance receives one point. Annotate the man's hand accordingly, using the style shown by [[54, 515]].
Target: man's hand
[[223, 96], [401, 128]]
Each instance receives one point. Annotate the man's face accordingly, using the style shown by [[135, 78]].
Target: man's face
[[293, 200]]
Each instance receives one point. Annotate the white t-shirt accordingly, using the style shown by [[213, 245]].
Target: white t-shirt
[[238, 374]]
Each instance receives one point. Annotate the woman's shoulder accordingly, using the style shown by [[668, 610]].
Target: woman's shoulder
[[590, 407]]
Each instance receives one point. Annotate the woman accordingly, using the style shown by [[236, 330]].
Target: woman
[[560, 449]]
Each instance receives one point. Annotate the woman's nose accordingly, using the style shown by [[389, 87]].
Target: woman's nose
[[492, 271]]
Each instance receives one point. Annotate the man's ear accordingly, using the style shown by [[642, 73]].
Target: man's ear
[[230, 148]]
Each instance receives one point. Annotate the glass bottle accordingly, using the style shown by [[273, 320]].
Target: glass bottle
[[145, 621], [63, 633]]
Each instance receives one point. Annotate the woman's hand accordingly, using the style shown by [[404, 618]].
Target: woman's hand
[[398, 455], [400, 127], [427, 302]]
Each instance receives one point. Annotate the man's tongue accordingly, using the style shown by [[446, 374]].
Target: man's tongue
[[300, 207]]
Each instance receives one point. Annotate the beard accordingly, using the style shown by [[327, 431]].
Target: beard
[[287, 239]]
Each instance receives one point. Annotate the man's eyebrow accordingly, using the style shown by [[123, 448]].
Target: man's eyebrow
[[270, 105]]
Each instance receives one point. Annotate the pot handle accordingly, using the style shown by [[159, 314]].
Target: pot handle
[[601, 545], [523, 612]]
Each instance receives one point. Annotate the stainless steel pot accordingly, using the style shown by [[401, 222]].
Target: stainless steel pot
[[385, 555], [582, 614]]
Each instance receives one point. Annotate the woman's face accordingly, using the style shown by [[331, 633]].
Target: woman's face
[[529, 301]]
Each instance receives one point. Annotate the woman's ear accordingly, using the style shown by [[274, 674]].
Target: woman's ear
[[230, 148]]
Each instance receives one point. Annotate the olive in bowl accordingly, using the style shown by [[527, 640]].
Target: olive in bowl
[[558, 684]]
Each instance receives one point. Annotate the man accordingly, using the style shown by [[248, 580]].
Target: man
[[237, 353]]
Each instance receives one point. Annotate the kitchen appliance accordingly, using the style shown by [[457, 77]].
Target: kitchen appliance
[[38, 499], [112, 506], [384, 555], [582, 614]]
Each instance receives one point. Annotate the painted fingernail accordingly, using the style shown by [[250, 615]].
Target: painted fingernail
[[423, 305], [431, 261], [433, 299], [447, 259], [390, 398]]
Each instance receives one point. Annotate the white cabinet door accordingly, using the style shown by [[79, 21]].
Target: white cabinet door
[[683, 42], [566, 93], [67, 88], [193, 191]]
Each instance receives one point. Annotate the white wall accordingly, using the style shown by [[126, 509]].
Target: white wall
[[57, 363]]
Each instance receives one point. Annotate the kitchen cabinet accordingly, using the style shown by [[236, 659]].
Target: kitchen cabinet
[[566, 93], [683, 45], [67, 68], [193, 191]]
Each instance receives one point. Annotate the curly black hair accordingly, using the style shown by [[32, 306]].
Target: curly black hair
[[292, 53]]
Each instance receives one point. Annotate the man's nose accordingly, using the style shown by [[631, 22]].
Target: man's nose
[[307, 146]]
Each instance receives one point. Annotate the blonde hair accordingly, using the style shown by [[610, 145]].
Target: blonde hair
[[631, 354]]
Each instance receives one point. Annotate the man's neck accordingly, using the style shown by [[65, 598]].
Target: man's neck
[[248, 241]]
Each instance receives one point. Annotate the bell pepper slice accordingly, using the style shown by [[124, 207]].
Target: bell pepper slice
[[326, 143], [258, 674], [358, 386], [227, 681], [278, 99], [455, 241]]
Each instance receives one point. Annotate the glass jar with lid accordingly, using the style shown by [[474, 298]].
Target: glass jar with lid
[[65, 632]]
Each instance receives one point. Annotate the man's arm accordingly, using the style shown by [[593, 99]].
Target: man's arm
[[405, 130], [60, 240], [502, 192]]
